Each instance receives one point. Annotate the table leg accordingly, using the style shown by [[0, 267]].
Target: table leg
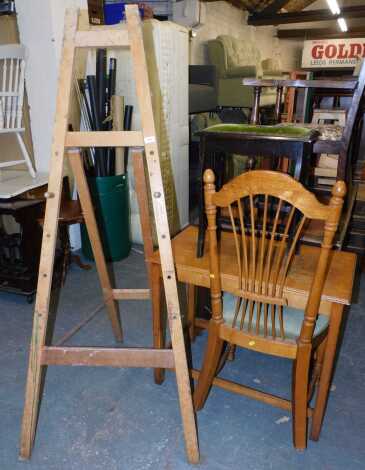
[[191, 294], [158, 323], [201, 231]]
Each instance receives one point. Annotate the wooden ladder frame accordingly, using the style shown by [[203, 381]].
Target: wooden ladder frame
[[42, 354]]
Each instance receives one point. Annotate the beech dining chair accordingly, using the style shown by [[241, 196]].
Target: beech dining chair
[[255, 313]]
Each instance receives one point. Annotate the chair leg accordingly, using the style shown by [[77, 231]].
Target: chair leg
[[25, 154], [300, 396], [158, 323], [210, 364], [327, 368], [191, 295]]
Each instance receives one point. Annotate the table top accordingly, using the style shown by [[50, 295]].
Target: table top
[[349, 84], [16, 182], [193, 270]]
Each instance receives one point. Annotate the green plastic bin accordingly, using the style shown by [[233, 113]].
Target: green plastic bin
[[110, 195]]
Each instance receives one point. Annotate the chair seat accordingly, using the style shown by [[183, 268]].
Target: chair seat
[[292, 319], [288, 131], [297, 131]]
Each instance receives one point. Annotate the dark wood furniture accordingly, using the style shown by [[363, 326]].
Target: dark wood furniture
[[329, 143], [19, 253], [215, 146]]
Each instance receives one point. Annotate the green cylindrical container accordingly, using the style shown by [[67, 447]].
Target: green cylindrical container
[[110, 195]]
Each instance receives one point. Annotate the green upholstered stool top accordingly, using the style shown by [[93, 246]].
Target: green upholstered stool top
[[277, 131], [292, 319]]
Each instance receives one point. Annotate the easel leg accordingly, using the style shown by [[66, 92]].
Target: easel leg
[[35, 367], [92, 229], [33, 387]]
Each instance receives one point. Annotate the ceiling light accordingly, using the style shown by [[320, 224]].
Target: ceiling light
[[342, 24], [333, 6]]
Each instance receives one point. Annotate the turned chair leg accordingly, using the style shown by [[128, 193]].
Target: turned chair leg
[[300, 397], [210, 364]]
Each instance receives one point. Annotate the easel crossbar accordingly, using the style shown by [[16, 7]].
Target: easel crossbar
[[131, 294], [104, 38], [104, 139], [110, 357]]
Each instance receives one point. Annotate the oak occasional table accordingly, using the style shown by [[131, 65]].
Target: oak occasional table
[[194, 272]]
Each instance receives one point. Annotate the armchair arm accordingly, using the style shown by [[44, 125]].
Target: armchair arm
[[242, 71], [203, 75]]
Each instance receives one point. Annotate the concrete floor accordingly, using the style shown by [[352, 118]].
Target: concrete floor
[[100, 418]]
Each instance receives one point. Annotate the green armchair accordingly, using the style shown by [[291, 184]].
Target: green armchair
[[236, 59]]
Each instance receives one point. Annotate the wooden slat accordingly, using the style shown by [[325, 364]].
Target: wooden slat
[[356, 11], [131, 294], [13, 163], [251, 393], [111, 357], [104, 139], [104, 38]]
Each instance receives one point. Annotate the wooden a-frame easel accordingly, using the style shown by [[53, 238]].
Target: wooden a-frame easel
[[42, 354]]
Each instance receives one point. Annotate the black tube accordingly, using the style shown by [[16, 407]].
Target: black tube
[[99, 154], [127, 125], [81, 82], [101, 83], [110, 158]]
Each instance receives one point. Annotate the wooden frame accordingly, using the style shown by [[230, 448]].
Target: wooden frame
[[42, 354]]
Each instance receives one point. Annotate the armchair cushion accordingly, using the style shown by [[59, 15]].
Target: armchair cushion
[[290, 131], [292, 319], [271, 67]]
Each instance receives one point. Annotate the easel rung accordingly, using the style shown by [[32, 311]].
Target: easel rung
[[103, 38], [104, 139], [111, 357], [131, 294]]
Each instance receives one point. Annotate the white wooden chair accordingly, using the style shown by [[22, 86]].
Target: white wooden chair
[[12, 68]]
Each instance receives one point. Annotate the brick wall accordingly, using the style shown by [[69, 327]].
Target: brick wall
[[223, 18]]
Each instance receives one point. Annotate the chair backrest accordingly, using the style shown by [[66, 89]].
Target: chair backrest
[[272, 209], [12, 69]]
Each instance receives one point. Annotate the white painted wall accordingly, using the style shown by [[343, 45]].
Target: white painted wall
[[41, 28]]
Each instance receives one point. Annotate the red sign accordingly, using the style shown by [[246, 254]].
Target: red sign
[[333, 53]]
